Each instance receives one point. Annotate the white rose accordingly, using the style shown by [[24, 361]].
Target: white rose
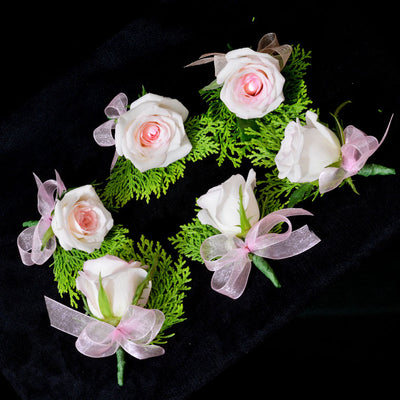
[[80, 220], [252, 83], [151, 134], [119, 279], [220, 205], [306, 150]]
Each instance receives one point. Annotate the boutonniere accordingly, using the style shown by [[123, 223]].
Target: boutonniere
[[238, 237], [153, 140]]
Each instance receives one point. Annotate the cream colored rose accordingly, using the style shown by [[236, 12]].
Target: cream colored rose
[[119, 279], [252, 83], [220, 205], [151, 134], [80, 220], [306, 150]]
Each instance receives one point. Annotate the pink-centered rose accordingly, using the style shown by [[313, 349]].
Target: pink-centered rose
[[252, 83], [151, 134], [80, 220]]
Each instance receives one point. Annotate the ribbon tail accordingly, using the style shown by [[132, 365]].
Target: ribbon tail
[[66, 319], [298, 242], [330, 178], [142, 351]]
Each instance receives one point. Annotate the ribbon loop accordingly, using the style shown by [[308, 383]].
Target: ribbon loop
[[117, 106]]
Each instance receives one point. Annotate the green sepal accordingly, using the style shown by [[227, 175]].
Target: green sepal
[[301, 193], [28, 224], [244, 221], [264, 267], [104, 303], [149, 277], [376, 169], [46, 237], [211, 86]]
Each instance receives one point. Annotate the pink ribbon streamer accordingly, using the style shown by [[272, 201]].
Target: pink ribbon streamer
[[228, 256], [103, 135], [96, 339], [267, 44], [29, 241], [356, 150]]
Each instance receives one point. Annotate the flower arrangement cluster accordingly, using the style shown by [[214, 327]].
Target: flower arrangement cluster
[[132, 292]]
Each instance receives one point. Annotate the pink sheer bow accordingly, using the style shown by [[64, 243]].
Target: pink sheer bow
[[228, 256], [29, 241], [103, 134], [356, 150], [267, 44], [137, 328]]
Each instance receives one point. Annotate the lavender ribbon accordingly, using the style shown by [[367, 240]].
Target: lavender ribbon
[[96, 339], [103, 134], [228, 256], [267, 44], [29, 241], [356, 150]]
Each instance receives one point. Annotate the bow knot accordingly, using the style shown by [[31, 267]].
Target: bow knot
[[138, 327], [29, 241], [228, 257], [103, 135]]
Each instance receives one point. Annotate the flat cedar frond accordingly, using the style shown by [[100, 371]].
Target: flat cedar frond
[[169, 284], [190, 237]]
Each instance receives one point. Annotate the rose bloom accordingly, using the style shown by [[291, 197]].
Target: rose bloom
[[306, 150], [80, 220], [220, 205], [119, 279], [151, 134], [252, 83]]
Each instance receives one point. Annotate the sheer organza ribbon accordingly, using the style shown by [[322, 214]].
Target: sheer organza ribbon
[[29, 241], [267, 44], [228, 256], [103, 135], [137, 328], [356, 150]]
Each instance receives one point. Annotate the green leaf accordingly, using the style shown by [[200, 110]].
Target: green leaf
[[28, 224], [46, 237], [264, 267], [376, 169], [244, 221], [243, 124], [300, 194], [104, 303]]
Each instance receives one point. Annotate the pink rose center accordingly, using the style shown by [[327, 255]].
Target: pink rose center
[[149, 133], [86, 218], [251, 84]]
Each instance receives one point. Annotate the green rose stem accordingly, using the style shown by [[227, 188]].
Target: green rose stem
[[138, 294], [259, 262]]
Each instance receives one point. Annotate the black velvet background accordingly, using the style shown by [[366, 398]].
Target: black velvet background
[[334, 324]]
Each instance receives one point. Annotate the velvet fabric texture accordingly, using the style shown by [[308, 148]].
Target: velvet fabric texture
[[47, 124]]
